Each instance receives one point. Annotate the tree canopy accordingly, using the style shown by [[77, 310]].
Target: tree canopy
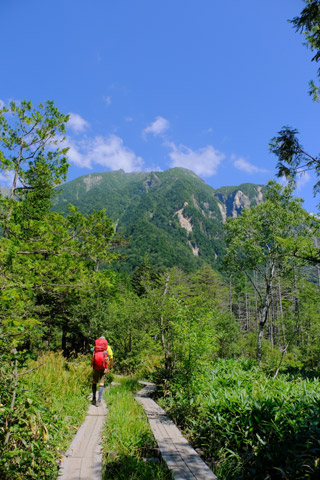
[[48, 261], [294, 160]]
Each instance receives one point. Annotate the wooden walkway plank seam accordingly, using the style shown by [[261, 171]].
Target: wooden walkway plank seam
[[181, 458], [83, 459]]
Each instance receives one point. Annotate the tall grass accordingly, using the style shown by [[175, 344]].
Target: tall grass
[[51, 402], [252, 426], [128, 439]]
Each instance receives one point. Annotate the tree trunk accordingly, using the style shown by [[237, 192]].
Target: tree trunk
[[255, 297], [265, 311], [230, 295], [164, 343], [64, 340], [281, 313]]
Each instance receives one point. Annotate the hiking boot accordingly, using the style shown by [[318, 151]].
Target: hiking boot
[[93, 401]]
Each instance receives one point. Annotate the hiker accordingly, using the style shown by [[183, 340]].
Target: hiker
[[102, 361]]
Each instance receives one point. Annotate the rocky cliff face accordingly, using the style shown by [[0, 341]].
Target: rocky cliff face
[[232, 204]]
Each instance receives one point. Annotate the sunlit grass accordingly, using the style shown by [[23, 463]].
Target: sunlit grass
[[41, 414], [250, 425], [61, 390], [128, 438]]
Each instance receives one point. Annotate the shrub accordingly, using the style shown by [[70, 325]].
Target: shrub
[[41, 407], [251, 426]]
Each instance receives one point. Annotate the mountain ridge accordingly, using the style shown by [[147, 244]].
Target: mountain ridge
[[173, 216]]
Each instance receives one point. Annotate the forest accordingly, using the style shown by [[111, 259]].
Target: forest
[[234, 350]]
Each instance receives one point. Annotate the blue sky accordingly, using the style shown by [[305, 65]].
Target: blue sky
[[155, 84]]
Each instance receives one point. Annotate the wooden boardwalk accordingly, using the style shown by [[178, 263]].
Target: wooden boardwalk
[[181, 458], [83, 460]]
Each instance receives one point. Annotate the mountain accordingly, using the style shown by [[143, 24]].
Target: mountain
[[174, 216]]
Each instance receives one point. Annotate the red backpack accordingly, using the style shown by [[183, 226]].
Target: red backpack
[[100, 354]]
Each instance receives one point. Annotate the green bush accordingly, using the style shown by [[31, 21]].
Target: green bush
[[251, 426], [41, 408]]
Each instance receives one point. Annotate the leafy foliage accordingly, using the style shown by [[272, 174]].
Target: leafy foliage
[[308, 23], [41, 407], [264, 240], [293, 159], [58, 288], [249, 425], [48, 261]]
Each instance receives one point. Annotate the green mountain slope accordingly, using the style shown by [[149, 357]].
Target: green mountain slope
[[174, 216]]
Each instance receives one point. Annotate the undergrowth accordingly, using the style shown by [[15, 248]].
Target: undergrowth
[[128, 440], [251, 426], [40, 414]]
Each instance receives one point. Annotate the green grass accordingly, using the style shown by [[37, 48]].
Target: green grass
[[50, 405], [62, 387], [127, 438], [249, 425]]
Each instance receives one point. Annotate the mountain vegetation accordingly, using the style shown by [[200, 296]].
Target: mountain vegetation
[[173, 216]]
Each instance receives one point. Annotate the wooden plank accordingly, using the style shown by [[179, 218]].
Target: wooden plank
[[85, 442], [83, 460], [178, 467], [181, 458], [70, 469]]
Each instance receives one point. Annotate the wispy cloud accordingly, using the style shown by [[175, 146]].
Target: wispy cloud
[[6, 178], [160, 125], [302, 179], [1, 103], [203, 162], [245, 166], [107, 100], [77, 123], [77, 153], [109, 152]]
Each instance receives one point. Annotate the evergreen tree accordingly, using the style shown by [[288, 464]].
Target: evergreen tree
[[47, 261]]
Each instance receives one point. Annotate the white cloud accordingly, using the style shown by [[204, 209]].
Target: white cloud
[[245, 166], [1, 103], [76, 153], [77, 123], [107, 100], [109, 152], [204, 161], [302, 179], [6, 178], [157, 127]]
